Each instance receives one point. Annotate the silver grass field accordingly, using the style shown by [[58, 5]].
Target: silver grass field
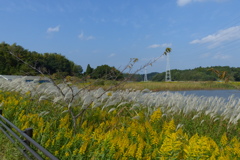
[[170, 103]]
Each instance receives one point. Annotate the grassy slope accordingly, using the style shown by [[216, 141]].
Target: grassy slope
[[8, 150]]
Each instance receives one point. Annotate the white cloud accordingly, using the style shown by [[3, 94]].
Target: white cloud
[[229, 34], [205, 55], [185, 2], [221, 56], [154, 46], [82, 37], [121, 21], [147, 36], [160, 45], [96, 51], [218, 56], [89, 37], [54, 29], [112, 55]]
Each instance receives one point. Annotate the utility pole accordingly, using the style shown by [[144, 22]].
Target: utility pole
[[145, 75], [168, 70]]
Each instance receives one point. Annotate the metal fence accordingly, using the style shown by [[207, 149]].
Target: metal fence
[[26, 145]]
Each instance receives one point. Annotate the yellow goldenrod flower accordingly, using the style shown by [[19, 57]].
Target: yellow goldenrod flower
[[68, 133], [69, 144], [154, 153], [83, 148], [47, 143], [169, 127], [109, 94], [64, 122], [139, 151], [75, 152], [67, 154], [58, 137], [171, 146], [84, 124], [53, 142], [236, 146], [117, 155], [157, 115], [56, 153], [112, 149], [131, 150], [224, 139]]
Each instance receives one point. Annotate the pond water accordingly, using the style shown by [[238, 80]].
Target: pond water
[[211, 93]]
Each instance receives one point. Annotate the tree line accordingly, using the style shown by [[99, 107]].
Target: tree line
[[13, 56], [213, 73], [202, 74], [15, 60]]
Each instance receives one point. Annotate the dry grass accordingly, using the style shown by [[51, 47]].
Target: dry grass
[[176, 86], [165, 86]]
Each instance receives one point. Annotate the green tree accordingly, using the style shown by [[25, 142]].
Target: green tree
[[159, 77], [14, 59], [76, 70], [89, 70], [107, 72]]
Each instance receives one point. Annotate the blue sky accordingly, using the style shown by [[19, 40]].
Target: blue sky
[[200, 32]]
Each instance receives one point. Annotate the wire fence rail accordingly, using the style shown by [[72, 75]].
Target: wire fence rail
[[23, 141]]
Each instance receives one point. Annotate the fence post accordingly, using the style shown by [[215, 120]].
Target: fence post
[[29, 132]]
